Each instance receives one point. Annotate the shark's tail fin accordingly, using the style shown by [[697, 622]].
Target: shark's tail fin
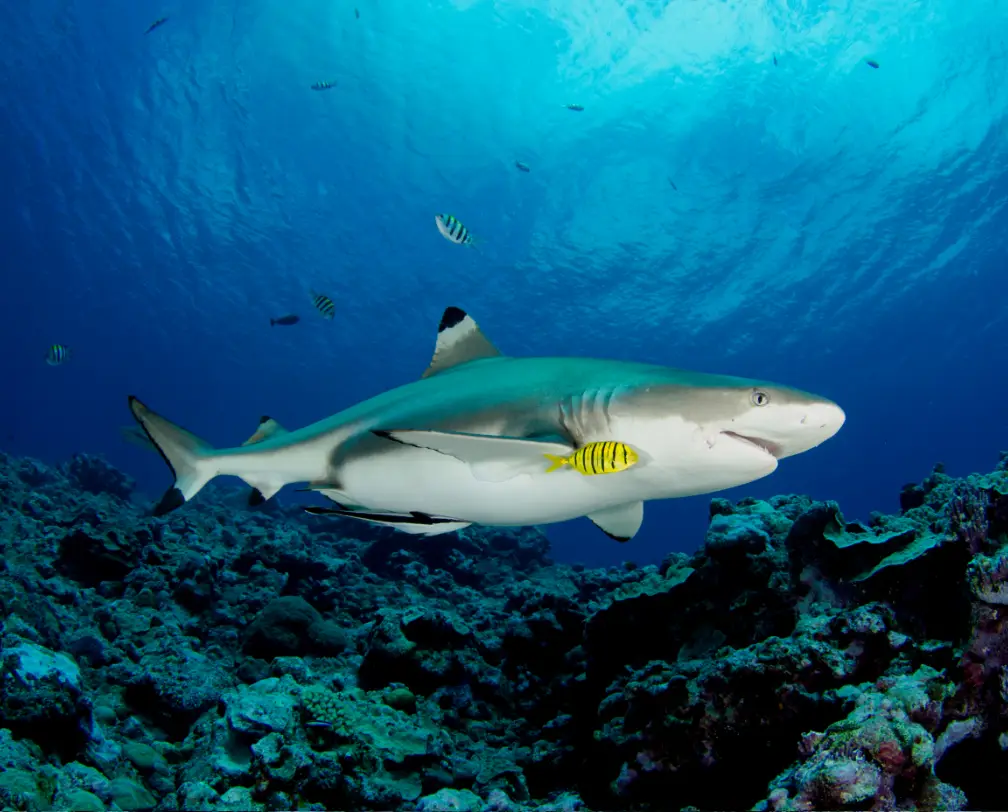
[[190, 459]]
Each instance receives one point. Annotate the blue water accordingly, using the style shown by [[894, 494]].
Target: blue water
[[835, 227]]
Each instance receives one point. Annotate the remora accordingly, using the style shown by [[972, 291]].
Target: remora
[[465, 444]]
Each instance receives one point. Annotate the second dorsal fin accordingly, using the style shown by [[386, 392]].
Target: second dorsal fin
[[459, 341]]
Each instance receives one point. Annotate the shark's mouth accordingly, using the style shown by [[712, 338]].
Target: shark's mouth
[[770, 448]]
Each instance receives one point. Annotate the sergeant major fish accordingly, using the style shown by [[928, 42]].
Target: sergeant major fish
[[323, 304], [57, 354], [453, 230]]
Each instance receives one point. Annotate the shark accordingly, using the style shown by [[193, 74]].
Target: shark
[[467, 442]]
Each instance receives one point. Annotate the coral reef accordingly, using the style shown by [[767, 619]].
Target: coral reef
[[223, 658]]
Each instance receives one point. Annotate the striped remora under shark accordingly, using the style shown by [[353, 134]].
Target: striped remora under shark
[[466, 443]]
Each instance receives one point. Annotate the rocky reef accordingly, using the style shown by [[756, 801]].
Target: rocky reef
[[223, 658]]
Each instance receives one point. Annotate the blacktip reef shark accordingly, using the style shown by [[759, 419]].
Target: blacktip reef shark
[[467, 443]]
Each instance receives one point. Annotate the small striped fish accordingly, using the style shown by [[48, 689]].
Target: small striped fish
[[323, 304], [452, 229], [56, 355], [596, 458], [323, 85]]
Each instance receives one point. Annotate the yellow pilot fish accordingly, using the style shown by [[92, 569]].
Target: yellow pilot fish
[[597, 458]]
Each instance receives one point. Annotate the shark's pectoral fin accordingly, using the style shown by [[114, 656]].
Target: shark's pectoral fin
[[621, 522], [414, 522], [459, 341], [490, 458]]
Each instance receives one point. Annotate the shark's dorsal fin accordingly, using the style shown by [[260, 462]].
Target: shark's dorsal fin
[[459, 341]]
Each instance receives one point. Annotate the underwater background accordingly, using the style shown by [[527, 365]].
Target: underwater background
[[742, 193], [810, 193]]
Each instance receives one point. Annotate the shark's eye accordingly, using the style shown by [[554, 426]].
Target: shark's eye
[[759, 398]]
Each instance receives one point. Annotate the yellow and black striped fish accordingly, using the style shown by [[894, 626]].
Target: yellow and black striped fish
[[323, 85], [323, 304], [56, 355], [452, 229], [597, 458]]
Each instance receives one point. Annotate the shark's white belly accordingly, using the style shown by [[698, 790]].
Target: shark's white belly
[[418, 479], [404, 478]]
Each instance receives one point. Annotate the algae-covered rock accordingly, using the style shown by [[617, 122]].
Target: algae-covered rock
[[144, 757], [19, 789], [80, 800], [400, 698], [450, 800], [292, 626], [262, 708], [130, 796]]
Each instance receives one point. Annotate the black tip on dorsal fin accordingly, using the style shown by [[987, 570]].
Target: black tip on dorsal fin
[[451, 317], [459, 341], [264, 419]]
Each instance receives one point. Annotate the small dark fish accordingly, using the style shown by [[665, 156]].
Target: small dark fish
[[577, 108], [156, 24], [872, 63], [56, 355], [323, 86], [356, 14], [775, 60], [286, 321], [323, 304], [319, 725], [522, 167], [672, 184]]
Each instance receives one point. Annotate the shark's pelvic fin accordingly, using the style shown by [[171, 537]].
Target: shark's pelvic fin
[[621, 522], [459, 341], [332, 492], [490, 458], [415, 522], [189, 457]]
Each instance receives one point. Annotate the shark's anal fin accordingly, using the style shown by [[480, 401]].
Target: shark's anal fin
[[459, 341], [414, 522], [621, 522], [489, 457]]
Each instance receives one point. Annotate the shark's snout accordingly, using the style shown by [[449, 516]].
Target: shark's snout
[[825, 416], [785, 429], [820, 420]]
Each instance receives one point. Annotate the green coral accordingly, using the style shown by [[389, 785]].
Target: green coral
[[320, 704], [382, 740]]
